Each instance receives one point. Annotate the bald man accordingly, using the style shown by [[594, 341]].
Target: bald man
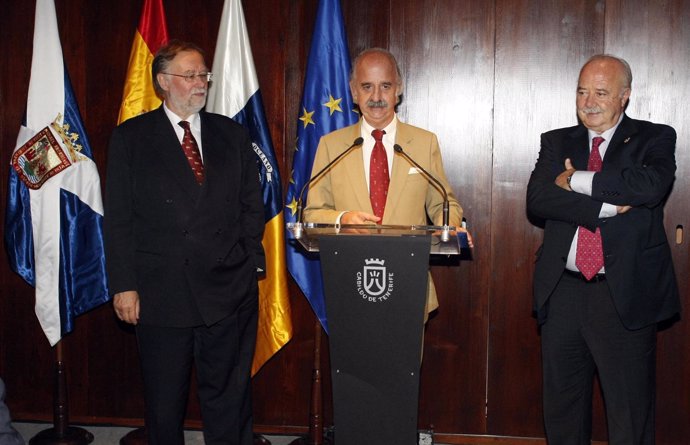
[[603, 277], [345, 194]]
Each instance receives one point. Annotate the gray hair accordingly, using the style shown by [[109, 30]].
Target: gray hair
[[627, 72], [165, 55]]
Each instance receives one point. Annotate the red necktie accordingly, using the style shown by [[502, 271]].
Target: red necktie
[[378, 175], [191, 151], [590, 253]]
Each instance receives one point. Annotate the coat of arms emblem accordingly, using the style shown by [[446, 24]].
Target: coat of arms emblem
[[374, 282]]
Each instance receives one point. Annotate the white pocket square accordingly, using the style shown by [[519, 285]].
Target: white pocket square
[[413, 171]]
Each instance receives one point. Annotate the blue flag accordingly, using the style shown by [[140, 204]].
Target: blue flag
[[54, 209], [326, 106], [235, 93]]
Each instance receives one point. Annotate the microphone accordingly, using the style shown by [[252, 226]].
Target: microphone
[[298, 230], [445, 234]]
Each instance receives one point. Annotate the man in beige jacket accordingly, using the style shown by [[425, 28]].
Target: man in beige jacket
[[343, 195]]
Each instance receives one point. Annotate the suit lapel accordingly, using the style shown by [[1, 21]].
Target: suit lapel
[[214, 151], [578, 149], [172, 157], [353, 166], [625, 131], [401, 167]]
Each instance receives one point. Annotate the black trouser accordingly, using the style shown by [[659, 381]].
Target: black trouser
[[223, 356], [582, 335]]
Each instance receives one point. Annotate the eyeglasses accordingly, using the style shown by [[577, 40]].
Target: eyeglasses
[[204, 77]]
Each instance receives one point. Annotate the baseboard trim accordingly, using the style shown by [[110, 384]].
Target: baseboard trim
[[293, 430], [472, 439]]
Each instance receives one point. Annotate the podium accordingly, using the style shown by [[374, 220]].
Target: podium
[[375, 282]]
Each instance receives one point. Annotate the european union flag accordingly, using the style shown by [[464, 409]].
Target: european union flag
[[326, 106]]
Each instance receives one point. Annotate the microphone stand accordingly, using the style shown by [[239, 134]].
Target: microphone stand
[[445, 233], [297, 230]]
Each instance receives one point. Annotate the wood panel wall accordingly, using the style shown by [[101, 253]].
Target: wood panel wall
[[488, 77]]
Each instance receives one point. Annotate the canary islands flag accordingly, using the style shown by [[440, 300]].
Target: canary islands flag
[[326, 106], [54, 209], [152, 33], [235, 93]]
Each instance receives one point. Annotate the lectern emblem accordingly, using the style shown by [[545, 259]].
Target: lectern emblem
[[374, 282]]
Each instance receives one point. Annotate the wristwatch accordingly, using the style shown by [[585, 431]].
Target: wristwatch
[[568, 179]]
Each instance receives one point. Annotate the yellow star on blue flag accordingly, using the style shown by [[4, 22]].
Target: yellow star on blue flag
[[333, 104], [292, 206], [306, 118]]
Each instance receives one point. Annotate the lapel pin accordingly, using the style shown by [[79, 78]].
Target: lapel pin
[[626, 140]]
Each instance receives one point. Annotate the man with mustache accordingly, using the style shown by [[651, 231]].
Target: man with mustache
[[184, 220], [347, 194], [603, 277]]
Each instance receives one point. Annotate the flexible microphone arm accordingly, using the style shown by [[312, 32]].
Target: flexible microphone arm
[[357, 142], [445, 236]]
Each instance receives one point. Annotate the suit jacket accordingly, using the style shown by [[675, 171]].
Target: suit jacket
[[411, 196], [190, 251], [638, 170]]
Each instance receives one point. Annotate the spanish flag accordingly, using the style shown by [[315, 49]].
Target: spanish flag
[[152, 32]]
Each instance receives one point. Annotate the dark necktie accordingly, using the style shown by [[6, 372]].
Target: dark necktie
[[590, 253], [191, 151], [378, 175]]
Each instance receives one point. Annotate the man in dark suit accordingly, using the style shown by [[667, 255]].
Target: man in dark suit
[[603, 277], [184, 220]]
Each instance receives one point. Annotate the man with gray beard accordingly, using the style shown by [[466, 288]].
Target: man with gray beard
[[184, 218], [352, 193]]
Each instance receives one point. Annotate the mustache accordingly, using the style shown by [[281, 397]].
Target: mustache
[[591, 110], [377, 104]]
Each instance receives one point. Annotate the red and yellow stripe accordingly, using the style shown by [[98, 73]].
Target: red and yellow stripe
[[152, 32]]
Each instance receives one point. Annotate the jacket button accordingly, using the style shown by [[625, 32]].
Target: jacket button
[[185, 232], [186, 261], [219, 260], [168, 201]]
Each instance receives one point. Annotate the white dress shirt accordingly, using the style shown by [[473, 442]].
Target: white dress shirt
[[194, 125], [368, 144]]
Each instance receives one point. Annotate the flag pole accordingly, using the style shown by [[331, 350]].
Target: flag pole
[[61, 433], [316, 432]]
